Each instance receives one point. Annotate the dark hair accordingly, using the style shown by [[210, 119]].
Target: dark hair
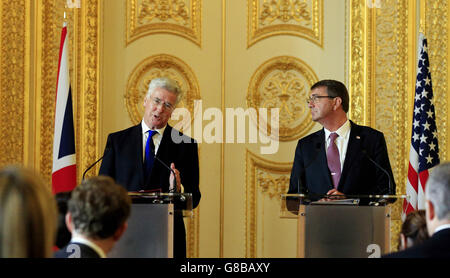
[[63, 235], [415, 227], [335, 89], [99, 207]]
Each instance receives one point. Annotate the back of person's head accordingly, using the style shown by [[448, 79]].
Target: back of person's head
[[414, 229], [335, 89], [63, 235], [99, 207], [27, 215], [437, 190]]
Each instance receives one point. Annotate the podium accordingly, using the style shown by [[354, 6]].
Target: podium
[[151, 225], [341, 227]]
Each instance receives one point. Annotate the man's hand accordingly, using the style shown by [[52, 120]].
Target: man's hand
[[335, 194], [171, 178]]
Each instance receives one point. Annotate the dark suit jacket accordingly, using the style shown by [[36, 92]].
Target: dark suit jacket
[[71, 250], [310, 173], [123, 161], [437, 246]]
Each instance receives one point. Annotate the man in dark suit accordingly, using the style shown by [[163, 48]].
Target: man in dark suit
[[343, 157], [128, 152], [437, 214], [97, 218]]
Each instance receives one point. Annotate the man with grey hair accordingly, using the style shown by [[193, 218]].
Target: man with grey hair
[[437, 213], [138, 157], [97, 215]]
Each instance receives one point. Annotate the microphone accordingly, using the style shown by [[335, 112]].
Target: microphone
[[382, 169], [174, 186], [299, 184], [93, 164]]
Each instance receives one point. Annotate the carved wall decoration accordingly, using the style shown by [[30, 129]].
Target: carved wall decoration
[[271, 179], [267, 18], [178, 17], [157, 66], [283, 82], [436, 32], [13, 94]]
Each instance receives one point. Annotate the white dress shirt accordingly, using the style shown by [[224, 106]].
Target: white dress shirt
[[341, 140]]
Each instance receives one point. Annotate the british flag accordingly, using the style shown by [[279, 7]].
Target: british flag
[[424, 151], [64, 160]]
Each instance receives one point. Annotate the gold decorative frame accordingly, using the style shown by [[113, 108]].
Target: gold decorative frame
[[302, 19], [283, 82], [157, 66], [260, 175], [166, 19], [14, 86]]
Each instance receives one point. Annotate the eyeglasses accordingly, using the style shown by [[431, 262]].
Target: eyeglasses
[[156, 101], [315, 98]]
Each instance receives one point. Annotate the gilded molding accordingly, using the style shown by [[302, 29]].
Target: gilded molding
[[283, 82], [157, 66], [272, 18], [269, 178], [177, 17], [436, 32], [13, 96]]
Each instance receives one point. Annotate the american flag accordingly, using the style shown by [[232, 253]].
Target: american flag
[[64, 161], [423, 153]]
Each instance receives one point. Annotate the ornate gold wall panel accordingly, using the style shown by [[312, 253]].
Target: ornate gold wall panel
[[177, 17], [267, 18], [157, 66], [271, 179], [283, 82], [14, 96], [436, 31]]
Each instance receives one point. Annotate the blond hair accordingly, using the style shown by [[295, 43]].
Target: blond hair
[[28, 215]]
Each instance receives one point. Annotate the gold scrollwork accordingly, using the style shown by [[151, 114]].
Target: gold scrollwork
[[267, 18], [283, 82], [177, 17], [269, 177], [158, 66]]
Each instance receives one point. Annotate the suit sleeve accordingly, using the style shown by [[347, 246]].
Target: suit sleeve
[[190, 177], [381, 156], [297, 180], [107, 167]]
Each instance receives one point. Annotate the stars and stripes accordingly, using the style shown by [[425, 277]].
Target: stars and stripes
[[424, 149], [64, 159]]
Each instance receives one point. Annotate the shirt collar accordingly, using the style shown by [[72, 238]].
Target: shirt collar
[[343, 131], [145, 128], [82, 240], [442, 227]]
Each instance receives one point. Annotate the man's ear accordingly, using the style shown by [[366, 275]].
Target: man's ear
[[430, 210], [338, 102], [119, 232], [69, 223]]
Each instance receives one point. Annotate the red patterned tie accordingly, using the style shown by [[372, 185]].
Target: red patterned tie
[[334, 162]]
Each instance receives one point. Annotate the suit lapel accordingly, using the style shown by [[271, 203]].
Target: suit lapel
[[137, 151], [319, 140], [353, 148]]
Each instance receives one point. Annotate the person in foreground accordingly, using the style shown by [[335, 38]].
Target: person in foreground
[[135, 157], [437, 213], [342, 157], [414, 230], [97, 218], [27, 215]]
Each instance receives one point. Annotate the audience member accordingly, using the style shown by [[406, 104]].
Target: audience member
[[437, 214], [414, 230], [27, 215], [97, 217], [63, 235]]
